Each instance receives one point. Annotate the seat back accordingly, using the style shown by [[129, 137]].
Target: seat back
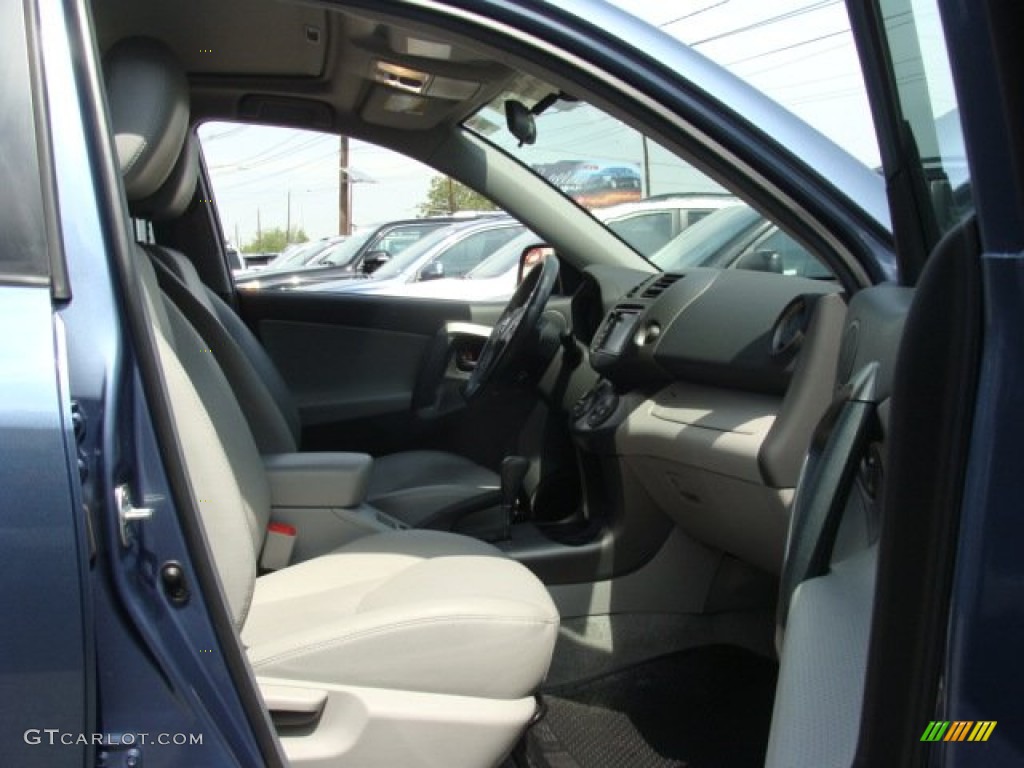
[[224, 466], [269, 407]]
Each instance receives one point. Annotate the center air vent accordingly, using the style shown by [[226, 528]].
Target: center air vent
[[659, 286]]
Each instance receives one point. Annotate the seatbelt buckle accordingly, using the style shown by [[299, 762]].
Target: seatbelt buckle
[[278, 546]]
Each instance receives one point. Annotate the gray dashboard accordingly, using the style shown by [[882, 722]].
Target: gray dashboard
[[711, 384], [730, 328]]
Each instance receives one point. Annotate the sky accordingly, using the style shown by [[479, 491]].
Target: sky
[[798, 52]]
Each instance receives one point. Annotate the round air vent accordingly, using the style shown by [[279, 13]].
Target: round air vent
[[848, 353], [788, 332]]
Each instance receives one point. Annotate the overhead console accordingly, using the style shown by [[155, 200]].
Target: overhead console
[[712, 383]]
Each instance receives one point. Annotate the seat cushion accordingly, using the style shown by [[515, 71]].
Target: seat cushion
[[409, 610], [413, 486]]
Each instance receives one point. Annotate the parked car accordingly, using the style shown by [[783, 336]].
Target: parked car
[[739, 237], [650, 223], [452, 251], [733, 236], [493, 279], [260, 259], [707, 516], [301, 254], [355, 256]]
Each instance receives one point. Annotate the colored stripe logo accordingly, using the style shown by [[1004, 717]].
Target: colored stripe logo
[[958, 730]]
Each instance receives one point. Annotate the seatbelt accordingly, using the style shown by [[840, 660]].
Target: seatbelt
[[839, 445]]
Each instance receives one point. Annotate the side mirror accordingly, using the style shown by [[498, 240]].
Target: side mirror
[[374, 260], [529, 258], [760, 261], [432, 271]]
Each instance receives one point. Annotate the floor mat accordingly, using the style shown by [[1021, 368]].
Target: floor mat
[[701, 708]]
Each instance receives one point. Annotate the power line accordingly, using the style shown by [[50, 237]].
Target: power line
[[693, 13], [274, 174], [789, 47], [767, 22], [225, 134], [267, 156], [814, 81], [789, 62]]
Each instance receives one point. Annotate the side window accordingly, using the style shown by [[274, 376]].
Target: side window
[[473, 249], [645, 232], [778, 252], [398, 239], [24, 247], [284, 197], [693, 216]]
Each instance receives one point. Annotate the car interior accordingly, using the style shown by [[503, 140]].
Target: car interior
[[630, 518]]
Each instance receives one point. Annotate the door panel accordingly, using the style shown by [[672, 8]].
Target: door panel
[[341, 372], [353, 364]]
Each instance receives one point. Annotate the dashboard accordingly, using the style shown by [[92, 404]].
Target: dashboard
[[711, 383]]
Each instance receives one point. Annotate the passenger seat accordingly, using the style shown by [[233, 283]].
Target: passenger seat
[[403, 648]]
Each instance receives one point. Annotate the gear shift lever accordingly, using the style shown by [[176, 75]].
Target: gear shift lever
[[513, 472]]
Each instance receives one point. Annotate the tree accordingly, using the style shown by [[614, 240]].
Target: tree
[[274, 240], [448, 196]]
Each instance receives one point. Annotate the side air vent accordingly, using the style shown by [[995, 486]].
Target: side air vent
[[638, 288], [659, 286]]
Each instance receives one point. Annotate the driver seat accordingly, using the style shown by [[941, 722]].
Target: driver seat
[[418, 488], [421, 489]]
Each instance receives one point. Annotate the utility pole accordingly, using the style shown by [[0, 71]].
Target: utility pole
[[344, 190], [259, 229], [238, 243], [647, 166], [451, 196], [288, 221]]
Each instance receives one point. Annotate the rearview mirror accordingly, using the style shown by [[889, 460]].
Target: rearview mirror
[[520, 122], [374, 260]]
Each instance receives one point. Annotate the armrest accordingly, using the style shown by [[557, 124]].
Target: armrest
[[322, 480]]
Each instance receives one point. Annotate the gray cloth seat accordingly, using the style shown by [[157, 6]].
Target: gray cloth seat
[[416, 487], [408, 647]]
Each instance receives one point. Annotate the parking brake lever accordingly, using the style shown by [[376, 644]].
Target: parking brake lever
[[513, 472]]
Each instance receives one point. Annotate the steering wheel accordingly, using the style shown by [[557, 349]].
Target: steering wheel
[[507, 342]]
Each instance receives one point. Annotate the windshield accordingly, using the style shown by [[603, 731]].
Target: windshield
[[342, 253], [594, 158], [297, 255]]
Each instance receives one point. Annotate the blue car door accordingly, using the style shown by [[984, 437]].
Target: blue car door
[[944, 79], [46, 681]]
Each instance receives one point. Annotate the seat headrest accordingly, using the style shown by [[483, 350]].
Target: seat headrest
[[147, 94], [174, 195]]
